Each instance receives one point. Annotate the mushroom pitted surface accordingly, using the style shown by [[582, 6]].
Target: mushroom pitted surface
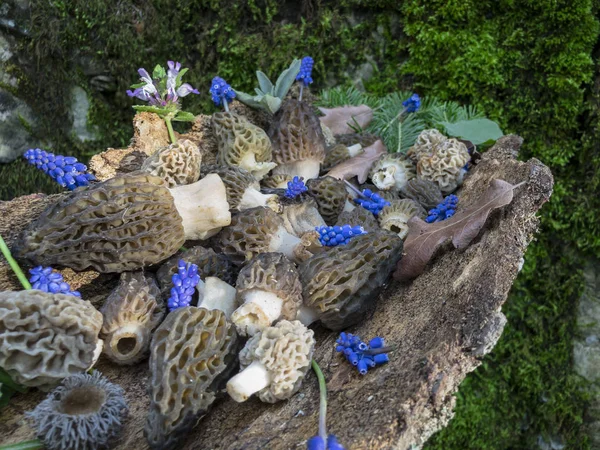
[[274, 363], [396, 215], [121, 224], [268, 289], [330, 195], [425, 192], [45, 337], [177, 164], [392, 171], [192, 354], [341, 283], [131, 312], [359, 216]]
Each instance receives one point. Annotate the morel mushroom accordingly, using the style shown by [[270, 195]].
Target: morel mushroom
[[45, 337], [177, 164], [192, 354], [125, 223], [243, 190], [361, 217], [261, 230], [340, 153], [300, 216], [210, 264], [395, 217], [424, 192], [364, 139], [268, 288], [424, 144], [131, 312], [392, 171], [86, 412], [242, 144], [274, 363], [214, 293], [279, 181], [444, 164], [340, 284], [327, 135], [298, 142], [330, 195]]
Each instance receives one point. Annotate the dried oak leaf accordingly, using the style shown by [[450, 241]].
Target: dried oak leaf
[[360, 165], [424, 238], [343, 120]]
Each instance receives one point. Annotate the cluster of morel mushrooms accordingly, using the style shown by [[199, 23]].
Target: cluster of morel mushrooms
[[252, 243]]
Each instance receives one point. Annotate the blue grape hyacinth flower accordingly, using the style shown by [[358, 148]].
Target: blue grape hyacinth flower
[[338, 235], [412, 104], [221, 92], [184, 285], [304, 75], [317, 443], [371, 201], [45, 279], [295, 187], [444, 210], [65, 170], [361, 355]]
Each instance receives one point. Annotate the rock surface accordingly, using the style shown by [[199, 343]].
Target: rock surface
[[442, 324]]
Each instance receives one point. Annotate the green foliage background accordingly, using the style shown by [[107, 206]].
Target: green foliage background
[[531, 65]]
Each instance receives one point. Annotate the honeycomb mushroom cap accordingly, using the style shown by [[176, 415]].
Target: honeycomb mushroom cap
[[425, 192], [330, 195], [86, 412], [359, 216], [268, 289], [179, 163], [243, 190], [285, 350], [210, 264], [242, 144], [277, 181], [341, 283], [192, 354], [124, 223], [424, 144], [301, 217], [392, 171], [445, 164], [364, 139], [339, 153], [298, 142], [395, 217], [131, 312], [327, 134], [45, 337]]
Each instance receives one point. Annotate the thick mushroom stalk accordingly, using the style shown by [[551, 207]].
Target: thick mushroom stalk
[[268, 289], [215, 293], [253, 197], [203, 207], [274, 363]]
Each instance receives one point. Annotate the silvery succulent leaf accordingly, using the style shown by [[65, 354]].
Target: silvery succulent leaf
[[260, 93], [286, 79], [271, 104], [265, 84], [247, 99]]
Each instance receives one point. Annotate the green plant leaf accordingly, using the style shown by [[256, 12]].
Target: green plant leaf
[[478, 131], [180, 76], [265, 84], [259, 92], [137, 85], [7, 381], [153, 109], [271, 104], [158, 72], [286, 79], [183, 116]]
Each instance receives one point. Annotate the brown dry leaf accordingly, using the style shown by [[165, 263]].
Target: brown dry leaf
[[341, 119], [359, 165], [424, 238]]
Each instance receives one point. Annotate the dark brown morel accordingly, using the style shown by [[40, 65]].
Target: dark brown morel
[[424, 192], [364, 139], [359, 216], [330, 195], [341, 283], [124, 223], [85, 413], [193, 353]]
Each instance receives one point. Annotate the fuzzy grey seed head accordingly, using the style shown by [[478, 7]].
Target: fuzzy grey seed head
[[85, 413]]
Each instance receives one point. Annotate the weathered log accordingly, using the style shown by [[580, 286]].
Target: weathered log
[[442, 324]]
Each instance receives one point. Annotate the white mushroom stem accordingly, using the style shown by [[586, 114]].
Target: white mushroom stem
[[252, 198], [349, 207], [385, 179], [133, 333], [355, 150], [307, 315], [203, 207], [259, 310], [252, 379], [308, 168], [97, 353], [258, 169], [214, 293], [284, 242]]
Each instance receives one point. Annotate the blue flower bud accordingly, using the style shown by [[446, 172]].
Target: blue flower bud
[[315, 443], [382, 358]]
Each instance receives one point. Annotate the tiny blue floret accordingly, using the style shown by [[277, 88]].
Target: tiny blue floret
[[356, 350], [338, 235], [184, 284], [65, 170], [372, 202], [317, 443], [221, 92], [305, 71], [295, 187], [444, 210], [412, 104], [45, 279]]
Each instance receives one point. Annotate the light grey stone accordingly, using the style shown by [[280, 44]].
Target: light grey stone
[[14, 136], [80, 106]]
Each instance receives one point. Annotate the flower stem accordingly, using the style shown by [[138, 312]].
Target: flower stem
[[393, 120], [13, 264], [225, 104], [322, 402], [35, 444], [170, 129], [301, 91]]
